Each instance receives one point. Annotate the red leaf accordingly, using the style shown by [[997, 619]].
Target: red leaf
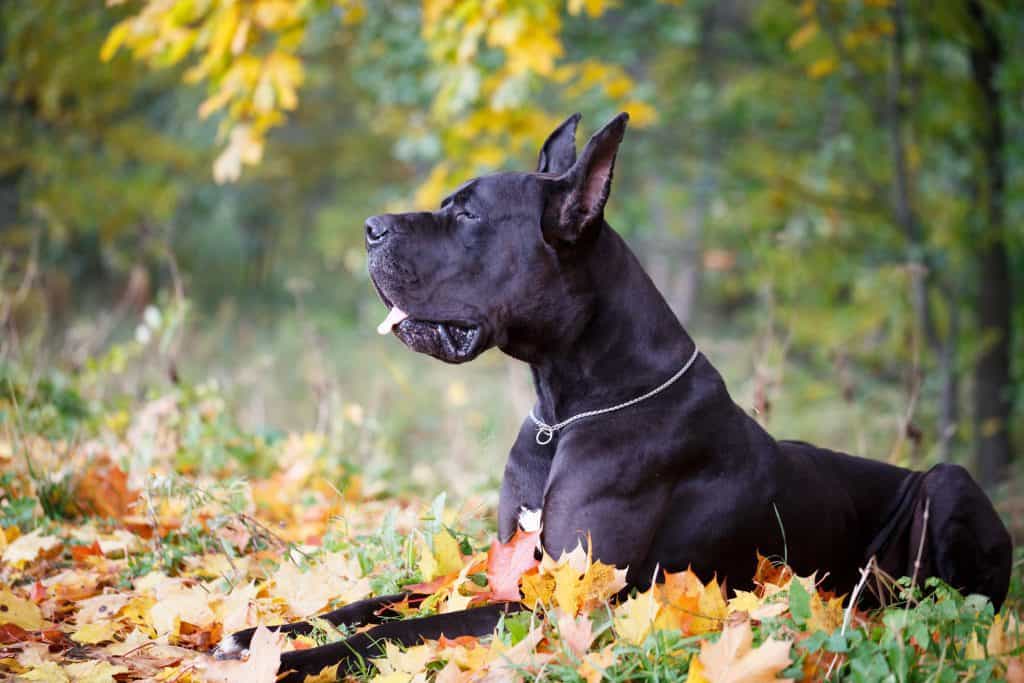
[[506, 563], [38, 593], [80, 552]]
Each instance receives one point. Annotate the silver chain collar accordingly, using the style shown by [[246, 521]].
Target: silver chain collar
[[546, 432]]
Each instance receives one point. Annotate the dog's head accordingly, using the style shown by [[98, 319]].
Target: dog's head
[[500, 262]]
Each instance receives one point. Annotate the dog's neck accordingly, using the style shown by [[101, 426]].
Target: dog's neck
[[630, 343]]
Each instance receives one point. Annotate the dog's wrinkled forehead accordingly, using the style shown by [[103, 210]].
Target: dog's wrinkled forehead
[[493, 196]]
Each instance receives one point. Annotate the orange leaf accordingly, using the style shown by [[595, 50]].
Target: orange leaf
[[80, 552], [506, 563]]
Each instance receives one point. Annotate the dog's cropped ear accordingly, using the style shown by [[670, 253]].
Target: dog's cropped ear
[[578, 197], [558, 153]]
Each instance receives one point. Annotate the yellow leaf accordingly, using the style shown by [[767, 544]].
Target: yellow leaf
[[733, 660], [634, 619], [567, 588], [711, 609], [23, 613], [803, 36], [95, 633], [1005, 635], [820, 68], [696, 673], [44, 671], [538, 589], [974, 650], [407, 662], [447, 553], [825, 616], [427, 564]]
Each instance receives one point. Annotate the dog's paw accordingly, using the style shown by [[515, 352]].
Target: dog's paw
[[234, 645]]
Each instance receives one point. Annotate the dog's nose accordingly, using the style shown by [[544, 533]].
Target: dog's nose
[[376, 231]]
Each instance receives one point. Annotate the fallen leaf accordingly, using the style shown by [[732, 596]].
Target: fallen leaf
[[23, 613], [595, 664], [27, 548], [95, 633], [506, 563], [100, 607], [733, 660], [576, 632], [398, 661], [634, 619], [177, 604], [97, 671]]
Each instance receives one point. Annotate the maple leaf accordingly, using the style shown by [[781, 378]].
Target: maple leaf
[[634, 618], [733, 660], [177, 604], [408, 662], [695, 607], [507, 562], [261, 666], [22, 613], [538, 589], [595, 664], [511, 663], [577, 633], [96, 632], [755, 607]]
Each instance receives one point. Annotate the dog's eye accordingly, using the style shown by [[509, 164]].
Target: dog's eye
[[465, 214]]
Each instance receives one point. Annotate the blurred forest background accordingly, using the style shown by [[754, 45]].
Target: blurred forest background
[[830, 193]]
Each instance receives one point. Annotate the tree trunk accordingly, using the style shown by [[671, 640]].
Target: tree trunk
[[992, 386]]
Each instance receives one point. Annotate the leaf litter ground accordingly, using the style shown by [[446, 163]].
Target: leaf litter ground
[[123, 560]]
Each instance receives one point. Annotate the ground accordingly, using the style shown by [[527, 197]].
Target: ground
[[134, 536]]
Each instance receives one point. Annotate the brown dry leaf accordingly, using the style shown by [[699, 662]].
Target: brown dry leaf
[[103, 490], [261, 666], [733, 660], [23, 613]]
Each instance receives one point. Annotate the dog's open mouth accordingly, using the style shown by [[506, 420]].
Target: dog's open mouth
[[454, 342]]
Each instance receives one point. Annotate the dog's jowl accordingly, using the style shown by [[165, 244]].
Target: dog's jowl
[[634, 441]]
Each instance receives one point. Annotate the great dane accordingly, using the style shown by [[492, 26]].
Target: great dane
[[634, 443]]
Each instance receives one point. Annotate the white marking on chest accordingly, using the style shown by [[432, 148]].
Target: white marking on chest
[[529, 520]]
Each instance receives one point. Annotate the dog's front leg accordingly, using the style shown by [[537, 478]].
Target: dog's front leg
[[369, 611], [353, 654], [522, 486]]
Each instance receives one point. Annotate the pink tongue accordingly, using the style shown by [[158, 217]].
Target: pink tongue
[[395, 316]]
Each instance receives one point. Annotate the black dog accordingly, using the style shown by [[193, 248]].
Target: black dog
[[682, 477]]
